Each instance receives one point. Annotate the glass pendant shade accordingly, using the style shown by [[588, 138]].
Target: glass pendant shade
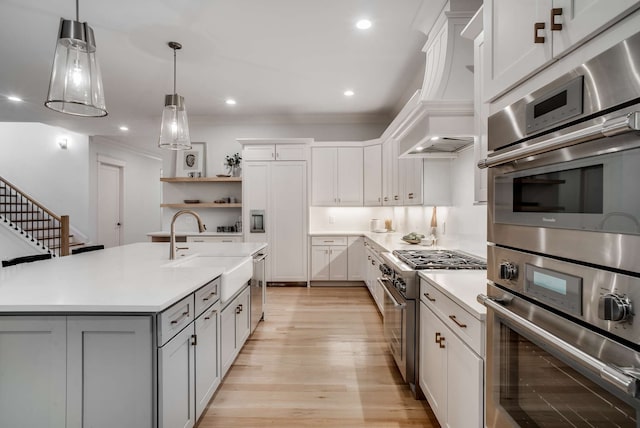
[[174, 130], [76, 82]]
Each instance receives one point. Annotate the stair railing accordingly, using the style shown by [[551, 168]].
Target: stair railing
[[34, 219]]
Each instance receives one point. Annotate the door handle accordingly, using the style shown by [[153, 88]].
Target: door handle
[[556, 11], [536, 27]]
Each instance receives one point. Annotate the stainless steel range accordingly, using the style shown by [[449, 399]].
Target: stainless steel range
[[400, 282]]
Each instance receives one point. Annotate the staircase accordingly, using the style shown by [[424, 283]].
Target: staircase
[[34, 222]]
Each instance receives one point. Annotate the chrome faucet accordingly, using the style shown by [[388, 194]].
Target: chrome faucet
[[172, 237]]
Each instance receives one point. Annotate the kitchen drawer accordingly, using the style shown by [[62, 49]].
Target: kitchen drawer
[[461, 322], [206, 296], [214, 238], [329, 240], [175, 318]]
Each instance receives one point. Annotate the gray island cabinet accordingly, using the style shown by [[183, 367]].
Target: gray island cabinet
[[99, 340]]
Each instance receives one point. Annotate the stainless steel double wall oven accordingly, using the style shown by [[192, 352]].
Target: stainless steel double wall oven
[[563, 338]]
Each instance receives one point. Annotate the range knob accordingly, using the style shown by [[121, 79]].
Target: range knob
[[614, 307], [508, 270], [386, 270], [400, 284]]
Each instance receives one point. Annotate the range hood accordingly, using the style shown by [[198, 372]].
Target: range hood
[[438, 120]]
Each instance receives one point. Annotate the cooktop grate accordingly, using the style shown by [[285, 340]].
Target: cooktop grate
[[439, 259]]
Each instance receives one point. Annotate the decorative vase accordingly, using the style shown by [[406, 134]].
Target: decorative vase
[[236, 171]]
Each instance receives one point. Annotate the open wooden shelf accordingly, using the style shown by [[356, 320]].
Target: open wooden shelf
[[202, 205], [201, 179]]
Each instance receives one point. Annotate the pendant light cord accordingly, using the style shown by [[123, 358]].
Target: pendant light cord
[[78, 10], [174, 70]]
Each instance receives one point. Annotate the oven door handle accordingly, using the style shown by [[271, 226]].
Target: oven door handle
[[609, 373], [388, 291], [611, 127]]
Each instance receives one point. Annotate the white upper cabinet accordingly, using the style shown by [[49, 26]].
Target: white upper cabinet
[[512, 52], [336, 176], [390, 182], [583, 19], [411, 173], [259, 149], [523, 37], [324, 176], [373, 175]]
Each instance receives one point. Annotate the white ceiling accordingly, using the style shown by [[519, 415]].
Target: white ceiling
[[292, 58]]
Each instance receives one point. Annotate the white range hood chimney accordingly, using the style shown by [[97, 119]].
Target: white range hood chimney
[[438, 120]]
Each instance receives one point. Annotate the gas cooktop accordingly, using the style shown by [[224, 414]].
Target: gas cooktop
[[439, 259]]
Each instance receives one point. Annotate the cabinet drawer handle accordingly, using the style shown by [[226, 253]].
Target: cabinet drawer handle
[[212, 313], [458, 323], [328, 241], [429, 298], [396, 197], [536, 27], [410, 195], [194, 339], [180, 318], [213, 293], [556, 11]]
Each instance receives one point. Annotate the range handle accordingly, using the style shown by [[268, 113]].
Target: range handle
[[611, 374], [389, 293]]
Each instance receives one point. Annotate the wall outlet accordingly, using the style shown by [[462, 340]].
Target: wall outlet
[[332, 219]]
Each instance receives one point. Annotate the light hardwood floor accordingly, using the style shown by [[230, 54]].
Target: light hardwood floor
[[319, 360]]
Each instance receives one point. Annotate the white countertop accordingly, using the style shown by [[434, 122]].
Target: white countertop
[[391, 241], [341, 233], [462, 286], [166, 234], [131, 278]]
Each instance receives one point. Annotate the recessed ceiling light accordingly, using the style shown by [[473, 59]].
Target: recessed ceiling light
[[435, 138], [230, 101], [349, 93], [363, 24], [124, 128], [14, 98], [419, 149]]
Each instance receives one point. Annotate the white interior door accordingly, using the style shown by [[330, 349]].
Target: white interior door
[[110, 203]]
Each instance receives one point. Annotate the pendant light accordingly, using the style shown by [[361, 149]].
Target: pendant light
[[76, 83], [174, 130]]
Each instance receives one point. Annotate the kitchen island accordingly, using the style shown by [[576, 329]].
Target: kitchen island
[[111, 338]]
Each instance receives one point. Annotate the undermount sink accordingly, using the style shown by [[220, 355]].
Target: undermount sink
[[237, 271]]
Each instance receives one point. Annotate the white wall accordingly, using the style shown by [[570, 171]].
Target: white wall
[[32, 160], [466, 222], [12, 246], [142, 189]]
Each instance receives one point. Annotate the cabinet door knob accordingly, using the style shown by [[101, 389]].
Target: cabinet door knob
[[556, 11], [536, 27]]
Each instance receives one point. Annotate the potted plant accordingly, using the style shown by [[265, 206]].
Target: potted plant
[[233, 164]]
